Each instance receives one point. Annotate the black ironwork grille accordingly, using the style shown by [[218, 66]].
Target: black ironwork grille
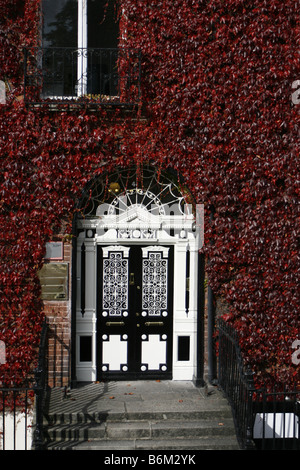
[[78, 75]]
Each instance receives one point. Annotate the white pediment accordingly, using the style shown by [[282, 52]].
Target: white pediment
[[135, 216]]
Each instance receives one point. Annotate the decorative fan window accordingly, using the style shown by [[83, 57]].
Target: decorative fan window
[[158, 194]]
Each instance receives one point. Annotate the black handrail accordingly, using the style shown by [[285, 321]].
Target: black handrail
[[236, 383]]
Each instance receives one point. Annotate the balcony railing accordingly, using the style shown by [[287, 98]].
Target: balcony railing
[[82, 76]]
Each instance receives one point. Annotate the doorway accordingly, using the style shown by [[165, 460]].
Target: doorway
[[137, 280], [135, 312]]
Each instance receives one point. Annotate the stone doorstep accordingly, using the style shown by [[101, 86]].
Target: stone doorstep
[[143, 429], [203, 411], [98, 418], [159, 430], [205, 443]]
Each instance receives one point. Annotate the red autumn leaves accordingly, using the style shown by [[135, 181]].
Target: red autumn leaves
[[216, 86]]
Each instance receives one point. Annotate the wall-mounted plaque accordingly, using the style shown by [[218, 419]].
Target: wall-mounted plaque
[[54, 281], [54, 250]]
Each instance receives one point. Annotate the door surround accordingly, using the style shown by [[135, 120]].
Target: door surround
[[136, 225]]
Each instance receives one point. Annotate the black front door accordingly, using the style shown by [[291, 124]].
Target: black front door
[[135, 312]]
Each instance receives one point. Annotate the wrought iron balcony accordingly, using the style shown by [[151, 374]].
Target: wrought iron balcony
[[80, 76]]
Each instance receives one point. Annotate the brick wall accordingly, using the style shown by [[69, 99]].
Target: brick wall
[[59, 320]]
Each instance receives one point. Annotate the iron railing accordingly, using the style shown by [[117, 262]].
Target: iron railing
[[263, 419], [16, 417], [66, 75], [40, 388], [21, 415]]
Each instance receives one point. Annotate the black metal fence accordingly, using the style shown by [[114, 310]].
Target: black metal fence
[[264, 420], [64, 75], [21, 415]]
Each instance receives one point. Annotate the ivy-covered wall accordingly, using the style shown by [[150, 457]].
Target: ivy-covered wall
[[216, 106]]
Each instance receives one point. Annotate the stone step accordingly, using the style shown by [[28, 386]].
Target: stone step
[[221, 410], [164, 434], [205, 443], [141, 429]]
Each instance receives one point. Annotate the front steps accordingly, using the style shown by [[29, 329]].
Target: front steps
[[167, 434], [148, 424]]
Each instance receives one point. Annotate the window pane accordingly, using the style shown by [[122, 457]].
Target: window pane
[[103, 28], [103, 32], [60, 23], [59, 32]]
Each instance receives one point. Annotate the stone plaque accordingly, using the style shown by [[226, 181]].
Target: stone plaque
[[54, 281], [54, 250]]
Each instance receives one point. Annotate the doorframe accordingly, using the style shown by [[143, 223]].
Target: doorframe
[[190, 325]]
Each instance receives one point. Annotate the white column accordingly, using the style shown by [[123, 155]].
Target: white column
[[86, 324], [90, 296], [193, 275], [90, 276], [193, 310], [82, 63], [180, 279], [80, 240], [184, 325]]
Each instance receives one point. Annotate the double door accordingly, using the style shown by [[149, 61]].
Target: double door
[[134, 312]]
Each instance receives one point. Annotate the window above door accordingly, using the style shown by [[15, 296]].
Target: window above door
[[80, 61]]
